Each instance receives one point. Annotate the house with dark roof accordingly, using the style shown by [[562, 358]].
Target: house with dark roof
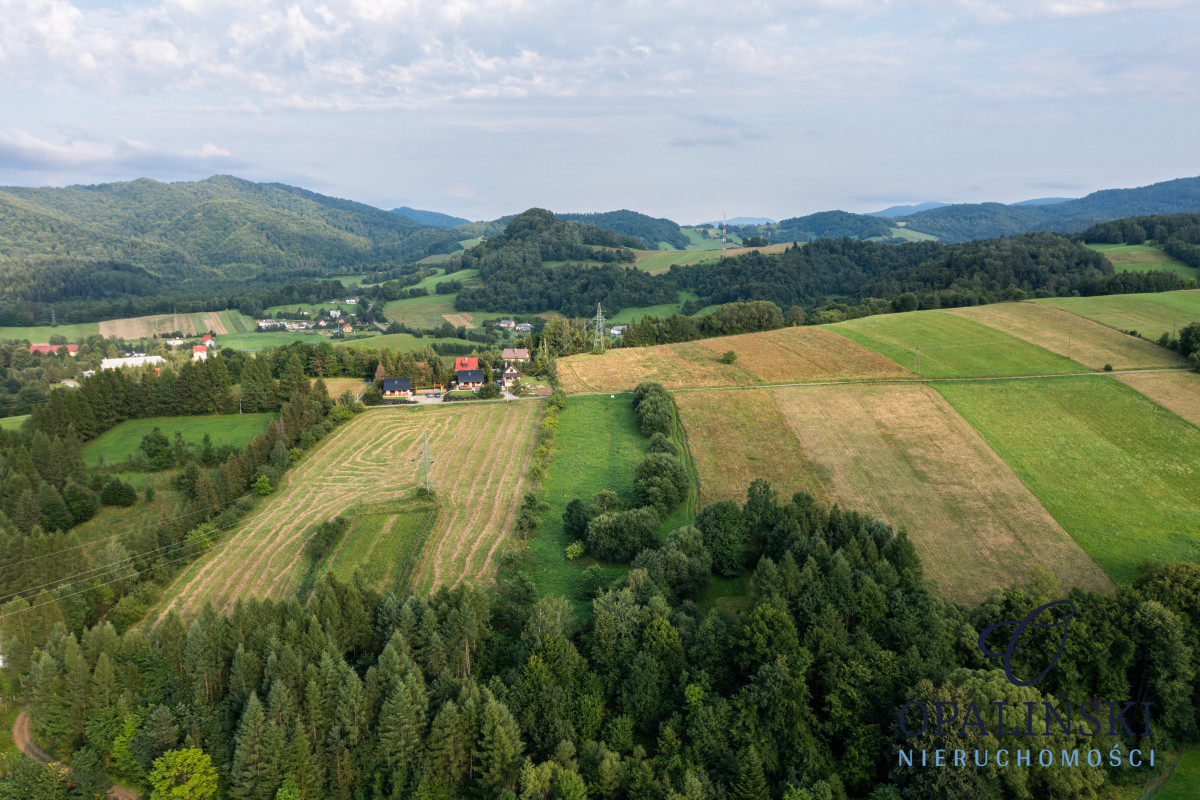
[[465, 362], [396, 388], [510, 376], [471, 379]]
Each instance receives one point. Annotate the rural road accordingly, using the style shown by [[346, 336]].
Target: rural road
[[26, 745]]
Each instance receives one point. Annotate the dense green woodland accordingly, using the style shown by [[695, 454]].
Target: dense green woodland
[[1177, 234], [498, 694], [648, 230]]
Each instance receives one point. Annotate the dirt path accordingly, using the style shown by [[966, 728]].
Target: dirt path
[[25, 744]]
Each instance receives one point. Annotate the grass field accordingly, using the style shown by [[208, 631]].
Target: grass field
[[402, 342], [782, 356], [40, 334], [431, 311], [656, 261], [383, 544], [899, 452], [911, 235], [1178, 392], [253, 342], [116, 444], [626, 315], [1184, 783], [951, 346], [480, 453], [1140, 258], [335, 386], [13, 423], [1151, 315], [1062, 332], [1117, 471], [597, 447], [699, 242], [219, 322]]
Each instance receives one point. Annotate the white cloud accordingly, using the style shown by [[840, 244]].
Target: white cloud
[[209, 150]]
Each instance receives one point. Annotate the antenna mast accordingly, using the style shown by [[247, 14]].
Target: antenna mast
[[599, 338]]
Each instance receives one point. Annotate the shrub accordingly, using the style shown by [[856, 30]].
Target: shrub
[[620, 536], [661, 444], [489, 391], [1108, 367], [660, 481], [575, 519], [575, 550], [263, 486], [118, 493], [729, 357]]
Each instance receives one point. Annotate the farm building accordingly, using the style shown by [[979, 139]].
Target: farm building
[[465, 362], [515, 354], [199, 352], [132, 361], [52, 349], [506, 323], [397, 387], [524, 327], [470, 378]]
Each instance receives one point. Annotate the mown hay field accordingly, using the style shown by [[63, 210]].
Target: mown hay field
[[1063, 333], [951, 346], [787, 355], [1151, 315], [219, 322], [1116, 470], [481, 453], [899, 452], [1175, 391]]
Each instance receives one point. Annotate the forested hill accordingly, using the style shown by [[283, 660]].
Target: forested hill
[[202, 231], [650, 231], [434, 218], [964, 222], [830, 225], [515, 277]]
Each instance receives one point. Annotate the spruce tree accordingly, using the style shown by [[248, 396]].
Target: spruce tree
[[498, 748], [751, 783], [255, 771]]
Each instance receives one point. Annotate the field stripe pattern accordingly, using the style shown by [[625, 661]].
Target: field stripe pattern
[[481, 453], [900, 452]]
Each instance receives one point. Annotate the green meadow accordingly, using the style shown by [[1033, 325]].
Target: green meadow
[[1151, 315], [1117, 471], [402, 342], [1142, 258], [626, 315], [117, 444], [252, 342], [951, 347], [596, 448], [40, 334], [1184, 783]]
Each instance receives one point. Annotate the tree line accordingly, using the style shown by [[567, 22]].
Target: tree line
[[498, 693]]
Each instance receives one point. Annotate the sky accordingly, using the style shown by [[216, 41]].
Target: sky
[[687, 110]]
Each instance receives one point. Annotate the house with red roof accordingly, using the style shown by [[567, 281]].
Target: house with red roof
[[465, 363], [52, 349], [199, 352]]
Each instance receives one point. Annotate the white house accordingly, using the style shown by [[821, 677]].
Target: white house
[[351, 301], [132, 361]]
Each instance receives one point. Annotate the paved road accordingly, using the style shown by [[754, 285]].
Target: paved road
[[27, 746]]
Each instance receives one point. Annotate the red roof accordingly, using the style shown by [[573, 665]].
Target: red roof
[[52, 348], [199, 348], [464, 362], [207, 338]]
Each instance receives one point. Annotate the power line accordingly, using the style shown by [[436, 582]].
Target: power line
[[599, 338]]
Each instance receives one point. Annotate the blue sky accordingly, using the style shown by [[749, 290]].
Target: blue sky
[[677, 109]]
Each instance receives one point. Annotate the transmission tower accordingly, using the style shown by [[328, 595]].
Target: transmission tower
[[599, 341], [426, 466]]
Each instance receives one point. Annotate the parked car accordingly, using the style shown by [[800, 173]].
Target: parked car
[[437, 394], [429, 394]]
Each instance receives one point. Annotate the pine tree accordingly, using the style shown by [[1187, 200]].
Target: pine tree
[[498, 747], [751, 783], [445, 757], [254, 773], [55, 514]]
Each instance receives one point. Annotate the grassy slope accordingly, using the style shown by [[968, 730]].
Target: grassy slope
[[626, 315], [13, 423], [1184, 783], [117, 444], [252, 342], [951, 347], [41, 334], [1151, 315], [1118, 472], [1141, 258], [403, 342], [597, 447]]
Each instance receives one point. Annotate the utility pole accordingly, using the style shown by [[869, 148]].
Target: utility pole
[[1068, 346], [599, 338], [917, 362], [426, 466]]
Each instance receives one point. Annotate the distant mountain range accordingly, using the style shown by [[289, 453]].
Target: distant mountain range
[[740, 221], [432, 218], [904, 211]]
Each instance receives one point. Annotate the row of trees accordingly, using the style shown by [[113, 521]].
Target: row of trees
[[474, 693]]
